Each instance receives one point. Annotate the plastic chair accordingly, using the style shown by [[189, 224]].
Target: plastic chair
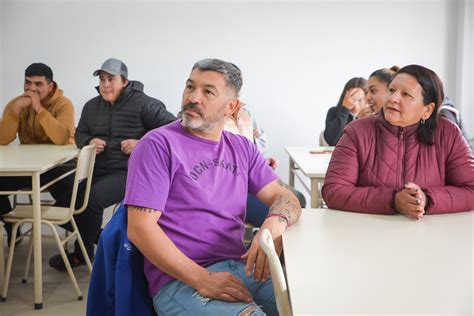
[[276, 270], [51, 216]]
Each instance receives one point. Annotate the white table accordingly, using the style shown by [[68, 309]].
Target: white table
[[313, 166], [32, 161], [343, 263]]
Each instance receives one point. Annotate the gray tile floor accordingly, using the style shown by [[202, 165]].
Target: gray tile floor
[[59, 296]]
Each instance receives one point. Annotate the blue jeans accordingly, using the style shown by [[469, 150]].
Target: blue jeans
[[178, 298]]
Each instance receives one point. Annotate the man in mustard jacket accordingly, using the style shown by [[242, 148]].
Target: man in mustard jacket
[[41, 115]]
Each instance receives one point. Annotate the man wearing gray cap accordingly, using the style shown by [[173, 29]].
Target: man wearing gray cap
[[115, 120]]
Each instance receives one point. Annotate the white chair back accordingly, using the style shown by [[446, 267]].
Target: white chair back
[[322, 140], [276, 270], [84, 170]]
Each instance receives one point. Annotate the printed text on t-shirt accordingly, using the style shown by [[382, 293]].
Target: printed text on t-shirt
[[204, 166]]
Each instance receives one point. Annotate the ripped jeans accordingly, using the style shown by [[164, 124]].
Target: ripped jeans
[[178, 298]]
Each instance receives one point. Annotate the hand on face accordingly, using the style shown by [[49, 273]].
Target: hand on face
[[21, 103], [365, 112], [128, 145], [35, 100], [100, 145], [354, 100], [411, 201]]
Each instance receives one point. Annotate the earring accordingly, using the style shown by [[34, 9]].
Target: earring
[[422, 121]]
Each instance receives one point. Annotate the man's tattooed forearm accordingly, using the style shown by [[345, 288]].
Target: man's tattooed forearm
[[287, 208], [144, 209]]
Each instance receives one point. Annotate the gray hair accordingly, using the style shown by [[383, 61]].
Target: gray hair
[[232, 73]]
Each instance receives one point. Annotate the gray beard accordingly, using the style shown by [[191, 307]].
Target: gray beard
[[200, 124]]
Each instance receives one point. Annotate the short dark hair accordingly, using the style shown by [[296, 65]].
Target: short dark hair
[[432, 92], [385, 75], [356, 82], [39, 69], [232, 73]]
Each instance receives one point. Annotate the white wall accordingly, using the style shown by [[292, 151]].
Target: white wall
[[295, 57], [464, 64]]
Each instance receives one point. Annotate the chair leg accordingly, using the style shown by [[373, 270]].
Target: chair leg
[[81, 245], [28, 259], [6, 280], [2, 256], [66, 235], [66, 261]]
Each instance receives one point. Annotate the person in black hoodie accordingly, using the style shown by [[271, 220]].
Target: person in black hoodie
[[115, 120]]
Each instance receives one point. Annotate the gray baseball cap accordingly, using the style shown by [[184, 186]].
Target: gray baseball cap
[[114, 67]]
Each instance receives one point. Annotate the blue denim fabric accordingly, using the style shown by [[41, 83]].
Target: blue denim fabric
[[178, 298]]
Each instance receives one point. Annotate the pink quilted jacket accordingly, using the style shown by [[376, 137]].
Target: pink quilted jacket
[[373, 160]]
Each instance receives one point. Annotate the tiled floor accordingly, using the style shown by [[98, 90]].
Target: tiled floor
[[59, 296]]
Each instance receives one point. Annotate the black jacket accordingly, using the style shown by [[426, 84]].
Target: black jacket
[[336, 121], [132, 115]]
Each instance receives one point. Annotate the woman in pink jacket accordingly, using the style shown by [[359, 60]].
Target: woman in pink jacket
[[406, 159]]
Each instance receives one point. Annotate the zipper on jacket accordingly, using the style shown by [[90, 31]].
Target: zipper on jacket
[[401, 157]]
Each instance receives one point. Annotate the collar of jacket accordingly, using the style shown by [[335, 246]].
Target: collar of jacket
[[395, 130], [133, 86]]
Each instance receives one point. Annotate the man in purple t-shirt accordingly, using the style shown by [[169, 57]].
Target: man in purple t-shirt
[[186, 195]]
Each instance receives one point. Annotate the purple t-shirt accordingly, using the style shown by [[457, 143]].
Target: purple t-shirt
[[201, 187]]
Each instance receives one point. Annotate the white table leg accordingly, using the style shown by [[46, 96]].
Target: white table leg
[[291, 176], [37, 240], [315, 203]]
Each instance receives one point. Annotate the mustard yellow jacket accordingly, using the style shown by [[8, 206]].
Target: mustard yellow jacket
[[53, 126]]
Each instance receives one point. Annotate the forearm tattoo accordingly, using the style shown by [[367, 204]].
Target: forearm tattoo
[[286, 208], [144, 209]]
